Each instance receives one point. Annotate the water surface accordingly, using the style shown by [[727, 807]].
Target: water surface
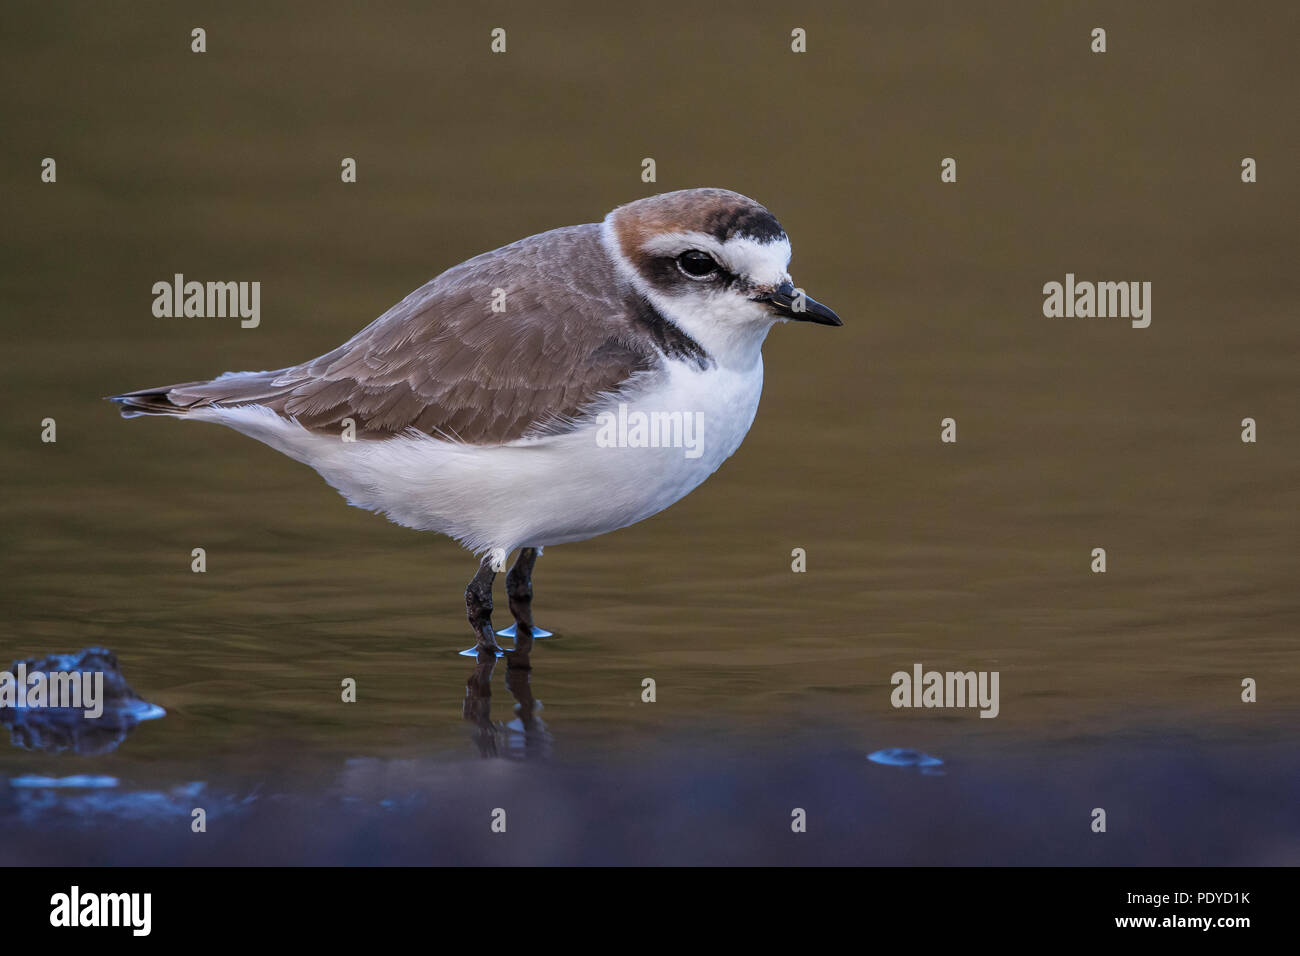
[[1119, 690]]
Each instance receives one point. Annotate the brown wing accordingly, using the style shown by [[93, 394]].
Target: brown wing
[[443, 362]]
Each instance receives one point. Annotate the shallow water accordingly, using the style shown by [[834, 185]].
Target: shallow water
[[1119, 690]]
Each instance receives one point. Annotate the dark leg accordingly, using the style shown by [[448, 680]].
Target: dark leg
[[478, 607], [519, 588]]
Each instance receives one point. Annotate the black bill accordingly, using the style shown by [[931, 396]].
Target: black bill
[[798, 307]]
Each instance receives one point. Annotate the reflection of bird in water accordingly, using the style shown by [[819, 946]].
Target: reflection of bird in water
[[524, 738]]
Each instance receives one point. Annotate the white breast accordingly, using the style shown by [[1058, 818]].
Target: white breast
[[533, 492]]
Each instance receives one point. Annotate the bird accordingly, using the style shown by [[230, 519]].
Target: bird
[[558, 388]]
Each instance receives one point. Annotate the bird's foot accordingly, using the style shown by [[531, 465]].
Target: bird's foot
[[510, 632], [537, 632]]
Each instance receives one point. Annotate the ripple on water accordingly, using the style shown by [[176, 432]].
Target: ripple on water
[[76, 780], [905, 757]]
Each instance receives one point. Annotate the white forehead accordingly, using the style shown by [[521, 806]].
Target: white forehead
[[766, 263]]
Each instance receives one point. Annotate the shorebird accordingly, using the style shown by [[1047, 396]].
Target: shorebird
[[538, 394]]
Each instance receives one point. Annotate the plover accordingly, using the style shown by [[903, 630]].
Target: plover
[[482, 405]]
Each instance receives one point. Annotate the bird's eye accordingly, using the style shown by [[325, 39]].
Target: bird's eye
[[697, 264]]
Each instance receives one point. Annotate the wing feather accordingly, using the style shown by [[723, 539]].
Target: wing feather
[[572, 336], [443, 363]]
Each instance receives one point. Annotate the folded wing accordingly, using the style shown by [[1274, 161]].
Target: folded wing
[[565, 336]]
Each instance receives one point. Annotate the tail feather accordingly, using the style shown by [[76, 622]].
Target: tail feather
[[233, 388]]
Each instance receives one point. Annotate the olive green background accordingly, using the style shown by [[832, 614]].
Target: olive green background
[[1072, 433]]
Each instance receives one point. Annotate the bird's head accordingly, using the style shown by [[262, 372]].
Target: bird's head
[[714, 261]]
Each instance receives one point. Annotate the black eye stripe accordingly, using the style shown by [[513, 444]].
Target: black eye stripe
[[665, 272]]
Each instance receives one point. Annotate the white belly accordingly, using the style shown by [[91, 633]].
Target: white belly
[[537, 492]]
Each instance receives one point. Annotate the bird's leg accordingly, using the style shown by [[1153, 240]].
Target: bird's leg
[[519, 588], [478, 607]]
